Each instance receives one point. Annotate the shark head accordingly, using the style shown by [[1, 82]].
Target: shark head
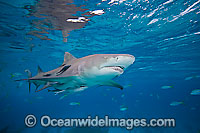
[[115, 63], [109, 65]]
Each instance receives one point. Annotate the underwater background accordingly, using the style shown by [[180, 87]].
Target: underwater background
[[163, 35]]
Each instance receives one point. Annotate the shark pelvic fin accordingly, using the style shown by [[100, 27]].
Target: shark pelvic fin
[[68, 57], [113, 84], [48, 84], [39, 70], [44, 87], [36, 86]]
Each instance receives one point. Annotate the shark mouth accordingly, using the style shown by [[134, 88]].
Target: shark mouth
[[117, 68]]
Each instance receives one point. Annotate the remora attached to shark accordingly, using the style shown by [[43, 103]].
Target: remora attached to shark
[[77, 74]]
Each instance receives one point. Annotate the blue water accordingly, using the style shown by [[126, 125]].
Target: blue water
[[164, 37]]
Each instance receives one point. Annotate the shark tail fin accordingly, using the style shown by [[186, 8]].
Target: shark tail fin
[[29, 76]]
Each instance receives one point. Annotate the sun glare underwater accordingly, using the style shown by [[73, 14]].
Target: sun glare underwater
[[144, 63]]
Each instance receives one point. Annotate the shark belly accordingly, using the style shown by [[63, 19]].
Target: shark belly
[[94, 76]]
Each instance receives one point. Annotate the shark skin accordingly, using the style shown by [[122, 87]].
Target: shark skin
[[77, 74]]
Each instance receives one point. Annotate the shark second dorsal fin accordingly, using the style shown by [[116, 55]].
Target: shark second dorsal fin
[[68, 57], [39, 70]]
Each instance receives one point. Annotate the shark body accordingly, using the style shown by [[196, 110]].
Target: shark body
[[77, 74]]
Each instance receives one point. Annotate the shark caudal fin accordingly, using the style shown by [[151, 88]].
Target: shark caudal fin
[[29, 76], [29, 79]]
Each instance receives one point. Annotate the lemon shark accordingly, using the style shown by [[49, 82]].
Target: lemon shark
[[77, 74]]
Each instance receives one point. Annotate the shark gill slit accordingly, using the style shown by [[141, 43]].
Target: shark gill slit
[[46, 75], [63, 70]]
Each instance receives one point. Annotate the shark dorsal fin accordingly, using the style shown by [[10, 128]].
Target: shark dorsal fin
[[68, 57], [40, 70]]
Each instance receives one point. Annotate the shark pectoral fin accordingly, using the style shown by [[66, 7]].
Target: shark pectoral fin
[[113, 83]]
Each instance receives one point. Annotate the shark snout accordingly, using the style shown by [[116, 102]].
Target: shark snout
[[122, 60], [130, 59]]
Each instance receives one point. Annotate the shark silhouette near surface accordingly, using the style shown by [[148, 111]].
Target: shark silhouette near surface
[[77, 74]]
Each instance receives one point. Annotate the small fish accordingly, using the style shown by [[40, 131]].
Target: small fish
[[122, 95], [188, 78], [123, 108], [12, 76], [15, 75], [193, 108], [151, 95], [74, 103], [197, 76], [176, 103], [137, 101], [62, 97], [166, 87], [195, 92], [140, 93], [18, 74], [113, 98], [158, 97], [6, 109], [129, 85], [20, 84], [28, 101], [39, 98]]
